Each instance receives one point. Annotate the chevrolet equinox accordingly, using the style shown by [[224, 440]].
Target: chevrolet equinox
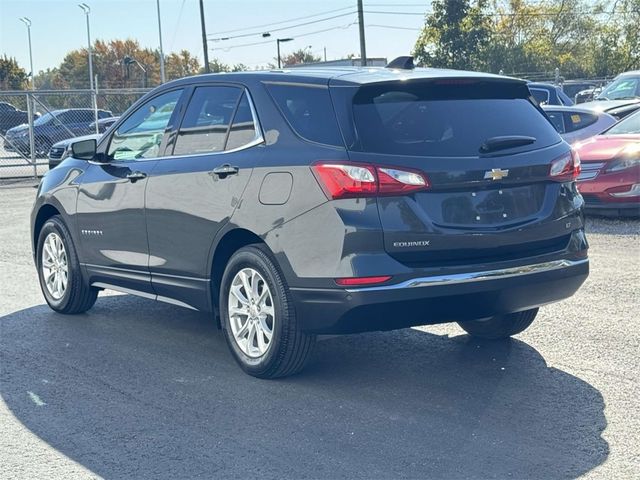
[[314, 201]]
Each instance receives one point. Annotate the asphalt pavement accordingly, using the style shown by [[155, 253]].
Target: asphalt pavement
[[138, 389]]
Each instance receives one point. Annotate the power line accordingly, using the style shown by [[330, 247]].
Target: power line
[[284, 21], [395, 27], [230, 47], [253, 34]]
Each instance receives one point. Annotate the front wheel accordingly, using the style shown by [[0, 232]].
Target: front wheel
[[258, 317], [59, 271], [501, 326]]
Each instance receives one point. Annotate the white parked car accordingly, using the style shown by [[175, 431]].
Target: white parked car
[[576, 123]]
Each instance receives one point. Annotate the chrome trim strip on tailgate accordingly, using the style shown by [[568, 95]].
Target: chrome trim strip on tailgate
[[477, 276]]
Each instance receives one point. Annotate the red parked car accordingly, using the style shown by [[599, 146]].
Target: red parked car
[[610, 176]]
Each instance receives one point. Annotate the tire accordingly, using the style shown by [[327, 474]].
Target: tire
[[288, 349], [501, 326], [77, 296]]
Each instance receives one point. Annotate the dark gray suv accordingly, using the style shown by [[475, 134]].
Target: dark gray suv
[[311, 201]]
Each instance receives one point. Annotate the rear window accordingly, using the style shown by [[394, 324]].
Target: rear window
[[451, 120], [309, 111]]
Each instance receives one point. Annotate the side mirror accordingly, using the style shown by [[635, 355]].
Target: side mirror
[[85, 149]]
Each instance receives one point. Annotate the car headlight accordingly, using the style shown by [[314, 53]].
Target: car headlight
[[630, 158]]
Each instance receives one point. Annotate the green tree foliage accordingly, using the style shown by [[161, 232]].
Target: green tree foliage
[[299, 56], [454, 35], [12, 76], [579, 37], [113, 72]]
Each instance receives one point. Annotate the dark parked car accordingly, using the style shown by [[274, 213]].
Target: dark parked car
[[326, 200], [51, 128], [103, 124], [61, 150], [10, 117], [572, 88], [549, 94]]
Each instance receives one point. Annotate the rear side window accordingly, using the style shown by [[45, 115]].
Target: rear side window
[[541, 96], [309, 111], [577, 120], [206, 120], [450, 120]]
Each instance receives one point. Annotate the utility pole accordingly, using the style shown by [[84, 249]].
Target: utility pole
[[204, 39], [363, 48], [162, 77]]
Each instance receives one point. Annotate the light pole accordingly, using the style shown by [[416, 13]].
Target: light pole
[[27, 22], [162, 78], [87, 10], [30, 105], [279, 41]]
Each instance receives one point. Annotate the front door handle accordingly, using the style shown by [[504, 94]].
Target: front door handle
[[223, 170], [135, 176]]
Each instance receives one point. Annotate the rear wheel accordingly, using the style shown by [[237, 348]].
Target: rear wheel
[[258, 317], [61, 278], [501, 326]]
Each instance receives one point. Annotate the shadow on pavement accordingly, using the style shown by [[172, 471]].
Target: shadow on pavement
[[140, 389]]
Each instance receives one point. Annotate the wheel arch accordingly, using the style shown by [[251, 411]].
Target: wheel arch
[[230, 242], [45, 212]]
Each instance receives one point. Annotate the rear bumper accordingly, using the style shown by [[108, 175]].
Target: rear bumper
[[439, 299]]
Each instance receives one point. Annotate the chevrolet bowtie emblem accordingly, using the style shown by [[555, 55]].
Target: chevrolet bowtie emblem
[[496, 174]]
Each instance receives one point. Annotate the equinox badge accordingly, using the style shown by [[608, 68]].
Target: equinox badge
[[496, 174]]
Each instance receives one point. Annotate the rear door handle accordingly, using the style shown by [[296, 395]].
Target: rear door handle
[[224, 170], [135, 176]]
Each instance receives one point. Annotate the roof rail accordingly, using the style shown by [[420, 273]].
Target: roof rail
[[402, 63]]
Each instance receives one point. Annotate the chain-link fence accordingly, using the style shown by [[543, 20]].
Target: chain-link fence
[[32, 122]]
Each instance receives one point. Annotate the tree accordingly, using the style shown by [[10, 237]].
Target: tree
[[181, 64], [454, 35], [299, 56], [12, 76]]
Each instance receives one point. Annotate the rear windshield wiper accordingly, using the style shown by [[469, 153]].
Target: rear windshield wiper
[[509, 141]]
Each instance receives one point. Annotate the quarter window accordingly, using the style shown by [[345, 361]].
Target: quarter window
[[140, 135], [206, 121], [541, 96], [243, 129], [577, 120], [309, 111]]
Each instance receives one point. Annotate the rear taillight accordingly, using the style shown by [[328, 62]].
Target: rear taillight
[[566, 167], [346, 180]]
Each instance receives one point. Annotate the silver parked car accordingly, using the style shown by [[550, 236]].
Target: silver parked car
[[576, 123]]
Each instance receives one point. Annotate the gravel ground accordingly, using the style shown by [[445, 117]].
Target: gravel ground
[[140, 389]]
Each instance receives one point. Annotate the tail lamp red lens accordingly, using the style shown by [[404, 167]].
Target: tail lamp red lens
[[353, 281], [347, 180], [566, 167]]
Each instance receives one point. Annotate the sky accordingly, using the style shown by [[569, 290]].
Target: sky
[[58, 26]]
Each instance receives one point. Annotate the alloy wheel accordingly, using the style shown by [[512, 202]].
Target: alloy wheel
[[55, 267], [251, 312]]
